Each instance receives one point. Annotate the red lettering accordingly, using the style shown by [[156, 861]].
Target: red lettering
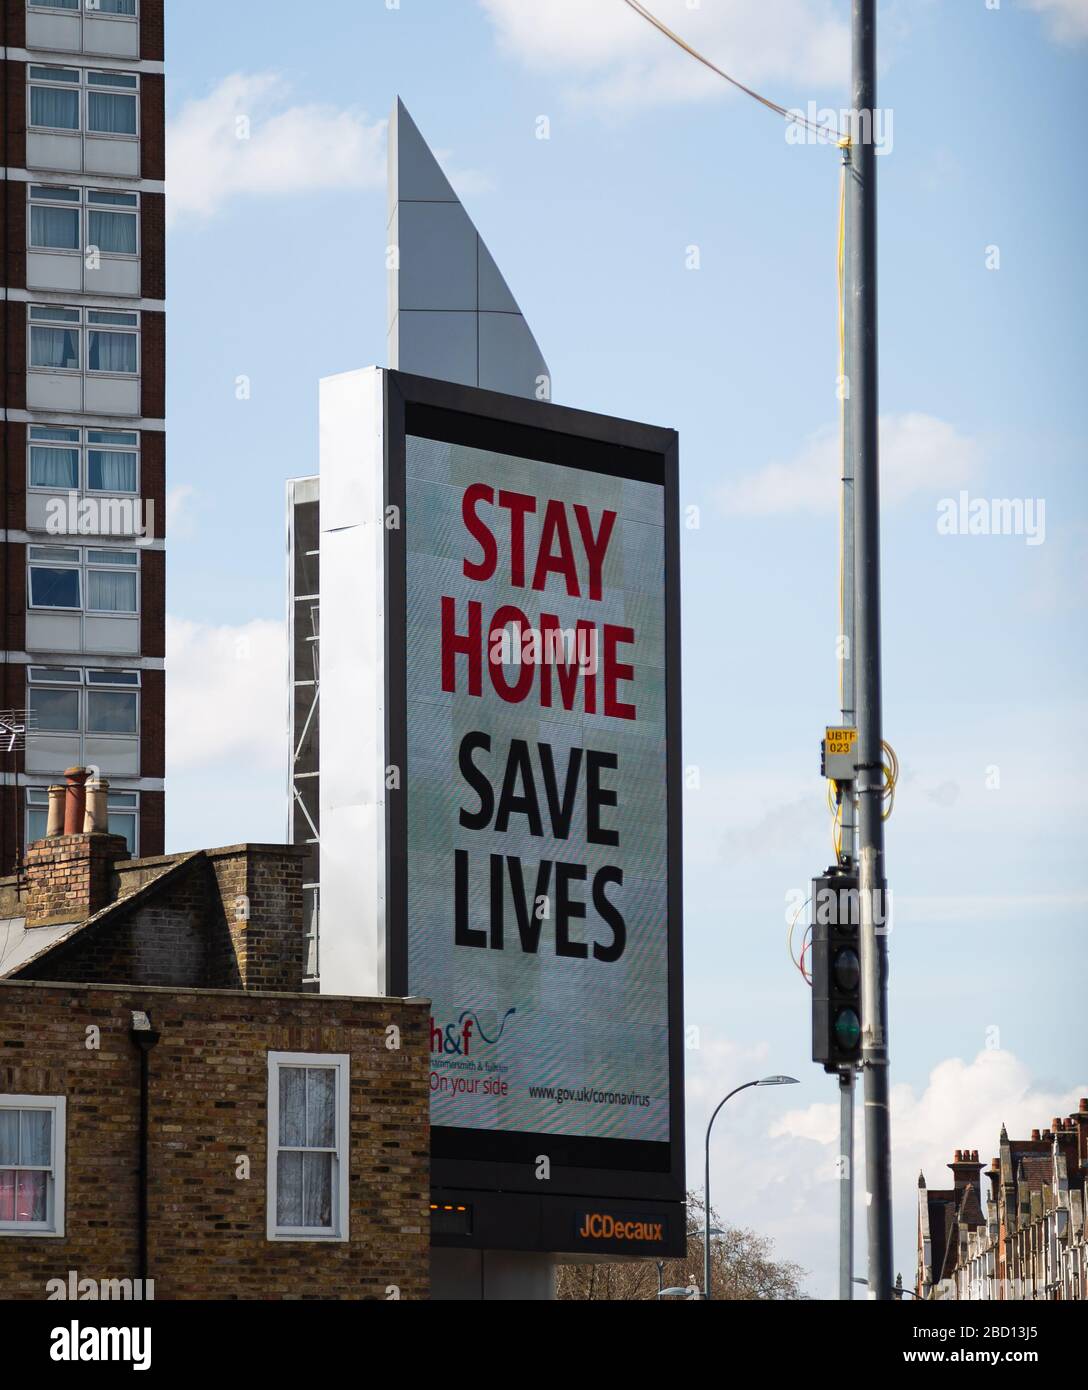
[[596, 545], [480, 533], [512, 694], [454, 645], [519, 505], [555, 529], [615, 671], [567, 671]]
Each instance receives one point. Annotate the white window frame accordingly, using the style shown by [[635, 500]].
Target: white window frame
[[37, 559], [341, 1061], [82, 206], [80, 7], [84, 87], [79, 681], [53, 1226], [84, 446], [84, 326]]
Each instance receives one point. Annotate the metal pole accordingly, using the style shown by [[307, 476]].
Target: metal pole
[[846, 1184], [865, 432], [706, 1190]]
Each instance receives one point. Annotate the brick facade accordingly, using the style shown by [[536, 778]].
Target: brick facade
[[208, 1089], [70, 877]]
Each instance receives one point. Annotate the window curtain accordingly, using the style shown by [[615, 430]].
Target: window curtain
[[114, 233], [115, 6], [54, 347], [111, 471], [111, 593], [113, 352], [123, 823], [54, 468], [54, 228], [112, 113], [307, 1121], [55, 108], [63, 4]]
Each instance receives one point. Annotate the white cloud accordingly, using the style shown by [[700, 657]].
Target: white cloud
[[1067, 20], [917, 453], [289, 149], [619, 59], [225, 695], [179, 510]]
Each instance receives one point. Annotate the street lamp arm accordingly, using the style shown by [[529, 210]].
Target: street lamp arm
[[706, 1188]]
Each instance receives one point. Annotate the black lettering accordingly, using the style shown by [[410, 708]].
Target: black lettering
[[598, 796], [519, 764], [566, 910], [610, 914], [529, 924], [476, 820], [560, 811], [463, 934]]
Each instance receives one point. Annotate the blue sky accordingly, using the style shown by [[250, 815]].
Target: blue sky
[[277, 248]]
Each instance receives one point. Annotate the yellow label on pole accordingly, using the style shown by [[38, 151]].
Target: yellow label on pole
[[840, 742]]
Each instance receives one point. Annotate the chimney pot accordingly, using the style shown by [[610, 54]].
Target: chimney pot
[[75, 808], [1083, 1107], [55, 823], [1035, 1134], [959, 1156], [97, 818]]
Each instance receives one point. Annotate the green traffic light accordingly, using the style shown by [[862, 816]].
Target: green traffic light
[[847, 1030]]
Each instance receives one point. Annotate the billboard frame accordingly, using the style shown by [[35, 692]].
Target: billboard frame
[[495, 1167]]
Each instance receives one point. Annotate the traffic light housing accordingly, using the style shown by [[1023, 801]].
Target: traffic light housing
[[836, 971]]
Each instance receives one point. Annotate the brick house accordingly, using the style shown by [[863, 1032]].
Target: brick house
[[1026, 1238], [173, 1107]]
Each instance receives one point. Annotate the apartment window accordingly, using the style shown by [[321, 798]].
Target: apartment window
[[88, 580], [55, 98], [123, 809], [77, 220], [112, 103], [307, 1146], [55, 338], [66, 700], [127, 8], [74, 99], [83, 460], [32, 1165], [64, 339]]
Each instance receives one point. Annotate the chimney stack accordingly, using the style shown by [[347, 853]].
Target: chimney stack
[[70, 873]]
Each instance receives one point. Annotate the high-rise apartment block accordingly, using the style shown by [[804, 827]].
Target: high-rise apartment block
[[82, 411]]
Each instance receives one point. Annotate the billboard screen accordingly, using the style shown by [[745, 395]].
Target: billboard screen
[[536, 778], [500, 817]]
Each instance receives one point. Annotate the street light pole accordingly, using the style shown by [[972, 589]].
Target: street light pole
[[864, 443], [765, 1081]]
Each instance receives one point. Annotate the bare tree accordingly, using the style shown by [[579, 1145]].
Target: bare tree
[[742, 1266]]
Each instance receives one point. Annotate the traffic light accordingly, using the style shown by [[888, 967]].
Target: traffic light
[[836, 971]]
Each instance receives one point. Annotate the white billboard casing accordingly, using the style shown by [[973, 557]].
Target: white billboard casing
[[535, 772]]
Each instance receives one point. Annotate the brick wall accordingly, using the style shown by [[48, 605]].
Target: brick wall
[[70, 877], [152, 822], [153, 603], [153, 476], [13, 355], [14, 234], [14, 17], [13, 443], [208, 1105], [13, 599], [153, 245], [152, 126], [13, 93], [152, 36], [153, 365], [216, 919], [153, 727]]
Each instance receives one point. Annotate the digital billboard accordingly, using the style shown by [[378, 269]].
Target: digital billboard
[[536, 778], [500, 794]]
